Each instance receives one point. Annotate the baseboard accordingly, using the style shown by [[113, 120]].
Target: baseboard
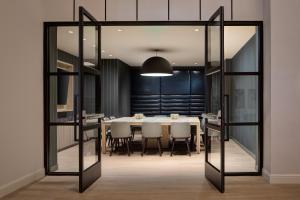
[[21, 182], [281, 178], [266, 174]]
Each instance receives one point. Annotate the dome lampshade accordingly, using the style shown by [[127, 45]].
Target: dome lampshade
[[156, 66]]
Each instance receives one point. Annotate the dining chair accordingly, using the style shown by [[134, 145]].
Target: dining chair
[[180, 131], [108, 132], [120, 131], [151, 130]]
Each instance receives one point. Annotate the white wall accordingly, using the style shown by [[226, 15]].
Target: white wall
[[267, 88], [21, 87], [285, 91], [283, 46]]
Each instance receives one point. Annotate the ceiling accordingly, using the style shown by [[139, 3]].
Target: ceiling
[[181, 45]]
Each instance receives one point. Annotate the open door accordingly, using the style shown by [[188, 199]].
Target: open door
[[214, 129], [89, 100]]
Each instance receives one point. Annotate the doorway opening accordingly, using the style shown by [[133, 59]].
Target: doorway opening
[[78, 94]]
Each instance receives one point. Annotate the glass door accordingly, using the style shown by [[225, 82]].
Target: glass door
[[214, 127], [89, 100]]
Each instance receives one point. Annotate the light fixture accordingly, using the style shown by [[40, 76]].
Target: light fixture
[[102, 51], [93, 45], [110, 55], [120, 30], [195, 63], [84, 39], [173, 63], [157, 66], [196, 30], [70, 32]]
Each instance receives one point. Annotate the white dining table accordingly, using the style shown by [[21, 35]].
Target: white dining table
[[163, 120]]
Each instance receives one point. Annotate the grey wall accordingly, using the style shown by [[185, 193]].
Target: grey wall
[[243, 95], [115, 88], [283, 85]]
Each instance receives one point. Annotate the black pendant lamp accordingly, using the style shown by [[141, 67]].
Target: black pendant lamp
[[156, 66]]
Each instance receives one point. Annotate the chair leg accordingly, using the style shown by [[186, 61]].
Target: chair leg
[[159, 147], [188, 146], [123, 143], [112, 146], [118, 144], [131, 144], [143, 146], [127, 143], [146, 142], [173, 143]]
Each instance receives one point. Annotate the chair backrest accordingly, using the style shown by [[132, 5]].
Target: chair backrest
[[180, 130], [105, 119], [120, 130], [151, 130]]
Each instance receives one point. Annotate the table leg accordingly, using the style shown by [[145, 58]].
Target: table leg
[[103, 138], [198, 138]]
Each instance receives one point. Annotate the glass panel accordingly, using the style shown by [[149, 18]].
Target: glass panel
[[90, 46], [89, 95], [63, 48], [214, 148], [241, 48], [242, 93], [63, 149], [91, 148], [214, 45], [63, 91], [241, 151]]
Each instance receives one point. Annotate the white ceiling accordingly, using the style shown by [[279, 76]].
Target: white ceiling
[[181, 45]]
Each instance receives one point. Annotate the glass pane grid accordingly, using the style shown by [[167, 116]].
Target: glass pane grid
[[214, 147], [91, 148]]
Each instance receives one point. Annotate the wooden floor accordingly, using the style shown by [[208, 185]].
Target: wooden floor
[[158, 178], [237, 159]]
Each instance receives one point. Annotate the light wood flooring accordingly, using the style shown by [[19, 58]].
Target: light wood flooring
[[158, 178], [236, 158]]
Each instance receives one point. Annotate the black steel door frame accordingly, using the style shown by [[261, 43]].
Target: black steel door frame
[[212, 173], [48, 74], [92, 173]]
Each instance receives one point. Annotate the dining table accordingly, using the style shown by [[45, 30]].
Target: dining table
[[163, 120]]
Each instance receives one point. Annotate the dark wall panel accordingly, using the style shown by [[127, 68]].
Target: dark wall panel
[[177, 84], [115, 88], [144, 85], [197, 82], [181, 93]]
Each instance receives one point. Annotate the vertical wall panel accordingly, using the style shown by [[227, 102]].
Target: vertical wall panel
[[153, 10], [184, 10], [247, 10], [208, 7], [95, 7], [121, 10], [115, 89]]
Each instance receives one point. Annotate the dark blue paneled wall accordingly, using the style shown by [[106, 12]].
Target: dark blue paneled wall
[[181, 93]]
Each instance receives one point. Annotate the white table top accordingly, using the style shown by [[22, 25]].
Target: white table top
[[160, 119]]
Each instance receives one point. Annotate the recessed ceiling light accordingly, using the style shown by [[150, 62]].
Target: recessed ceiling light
[[103, 51], [70, 31], [120, 30], [196, 29], [110, 55], [195, 63], [173, 63], [84, 39]]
